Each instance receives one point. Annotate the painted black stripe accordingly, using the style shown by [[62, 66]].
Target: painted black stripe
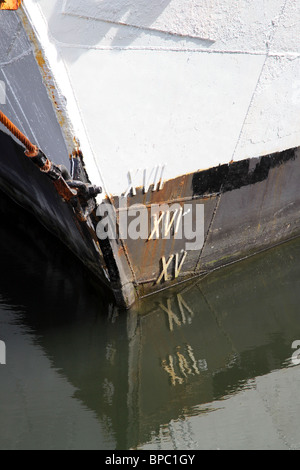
[[238, 174]]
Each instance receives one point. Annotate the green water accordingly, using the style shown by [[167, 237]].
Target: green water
[[204, 366]]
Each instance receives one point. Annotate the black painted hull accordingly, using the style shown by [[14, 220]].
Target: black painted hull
[[33, 190], [249, 206]]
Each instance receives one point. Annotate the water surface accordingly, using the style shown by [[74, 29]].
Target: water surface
[[203, 366]]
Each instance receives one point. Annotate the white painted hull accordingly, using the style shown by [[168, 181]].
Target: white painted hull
[[185, 83]]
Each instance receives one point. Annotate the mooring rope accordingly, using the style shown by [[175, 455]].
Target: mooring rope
[[32, 150]]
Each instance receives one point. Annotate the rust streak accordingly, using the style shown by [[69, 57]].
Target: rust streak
[[63, 189], [49, 81], [9, 4]]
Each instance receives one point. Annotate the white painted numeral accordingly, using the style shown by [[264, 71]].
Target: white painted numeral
[[165, 265]]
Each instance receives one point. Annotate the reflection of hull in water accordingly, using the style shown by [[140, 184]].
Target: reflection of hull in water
[[182, 349], [215, 336], [223, 140]]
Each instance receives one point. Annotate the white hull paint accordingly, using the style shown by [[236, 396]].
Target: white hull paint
[[188, 84]]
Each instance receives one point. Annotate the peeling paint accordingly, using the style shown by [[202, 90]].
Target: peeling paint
[[49, 81]]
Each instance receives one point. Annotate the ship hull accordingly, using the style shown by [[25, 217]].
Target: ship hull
[[179, 100], [25, 184], [247, 207]]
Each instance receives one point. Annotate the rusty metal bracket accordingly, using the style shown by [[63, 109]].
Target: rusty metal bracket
[[76, 192]]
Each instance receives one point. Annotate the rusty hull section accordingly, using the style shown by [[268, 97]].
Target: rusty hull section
[[249, 206], [59, 209]]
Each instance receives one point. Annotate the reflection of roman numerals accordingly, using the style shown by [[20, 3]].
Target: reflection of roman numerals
[[166, 264], [186, 313], [168, 366], [113, 313], [182, 365]]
